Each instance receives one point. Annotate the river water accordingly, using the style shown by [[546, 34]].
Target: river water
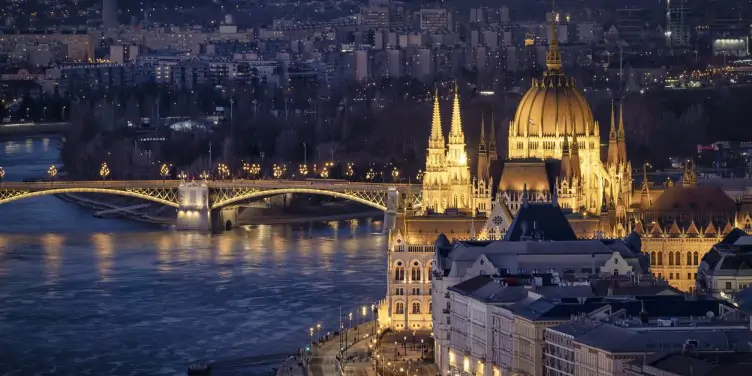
[[87, 296]]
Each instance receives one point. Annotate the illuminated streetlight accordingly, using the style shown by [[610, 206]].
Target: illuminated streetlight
[[182, 175], [420, 175], [395, 174], [370, 174], [204, 175], [104, 171], [164, 171], [2, 174], [52, 171], [223, 171], [350, 170], [303, 170]]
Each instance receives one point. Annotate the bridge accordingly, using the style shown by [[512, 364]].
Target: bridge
[[196, 201]]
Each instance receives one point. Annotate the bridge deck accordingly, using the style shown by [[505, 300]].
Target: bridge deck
[[161, 184]]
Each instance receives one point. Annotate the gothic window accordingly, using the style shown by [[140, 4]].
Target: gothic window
[[415, 272], [416, 307], [454, 201], [671, 258], [678, 258], [430, 306], [435, 206], [659, 259], [462, 199], [696, 258], [399, 272], [652, 258], [399, 308], [428, 271], [689, 258]]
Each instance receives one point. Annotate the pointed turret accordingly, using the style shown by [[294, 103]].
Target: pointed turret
[[645, 194], [621, 141], [493, 154], [613, 148], [482, 152], [456, 128], [436, 139], [566, 174], [575, 158]]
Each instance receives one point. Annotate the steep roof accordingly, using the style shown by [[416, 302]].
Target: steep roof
[[545, 221], [683, 199]]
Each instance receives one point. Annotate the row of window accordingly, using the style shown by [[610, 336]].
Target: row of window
[[675, 258], [399, 291], [415, 273], [399, 308]]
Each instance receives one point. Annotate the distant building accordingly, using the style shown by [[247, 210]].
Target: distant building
[[691, 361]]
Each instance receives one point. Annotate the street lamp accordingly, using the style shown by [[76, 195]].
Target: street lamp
[[420, 175], [104, 171], [223, 171], [395, 174], [318, 326], [311, 330], [52, 171], [182, 175], [2, 174], [350, 170], [164, 171], [363, 312], [204, 175], [303, 169]]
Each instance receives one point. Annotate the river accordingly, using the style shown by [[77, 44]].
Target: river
[[87, 296]]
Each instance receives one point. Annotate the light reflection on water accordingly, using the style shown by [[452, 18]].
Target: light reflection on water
[[114, 297]]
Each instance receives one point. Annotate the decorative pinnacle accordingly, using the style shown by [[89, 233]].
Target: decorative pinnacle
[[456, 128], [436, 133], [621, 119], [553, 58], [612, 132]]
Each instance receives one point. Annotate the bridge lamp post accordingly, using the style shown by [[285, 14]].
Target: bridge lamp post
[[303, 170], [420, 175], [204, 175], [52, 172], [395, 174], [318, 327], [350, 170], [311, 332], [182, 175], [223, 171], [246, 169], [2, 174], [104, 172], [164, 171]]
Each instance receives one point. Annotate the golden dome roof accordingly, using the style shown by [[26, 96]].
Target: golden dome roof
[[552, 99]]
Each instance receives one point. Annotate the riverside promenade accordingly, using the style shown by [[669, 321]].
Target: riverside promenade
[[326, 358]]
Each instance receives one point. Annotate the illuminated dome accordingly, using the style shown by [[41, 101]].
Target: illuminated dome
[[552, 99]]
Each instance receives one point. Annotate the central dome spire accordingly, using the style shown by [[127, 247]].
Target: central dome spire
[[553, 57]]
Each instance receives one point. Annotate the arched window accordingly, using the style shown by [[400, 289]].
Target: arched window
[[435, 205], [416, 307], [689, 258], [415, 271], [454, 201], [428, 271], [399, 308], [697, 258], [399, 272], [677, 258], [671, 258], [652, 258], [462, 200], [430, 306], [659, 259]]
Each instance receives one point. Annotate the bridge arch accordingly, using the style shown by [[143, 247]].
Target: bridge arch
[[312, 191], [57, 191]]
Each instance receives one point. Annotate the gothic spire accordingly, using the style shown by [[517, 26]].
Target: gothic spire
[[492, 153], [620, 138], [613, 148], [482, 144], [456, 129], [553, 57], [437, 135]]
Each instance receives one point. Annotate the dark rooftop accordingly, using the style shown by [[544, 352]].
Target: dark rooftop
[[536, 221]]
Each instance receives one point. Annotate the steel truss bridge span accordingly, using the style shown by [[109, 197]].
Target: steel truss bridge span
[[222, 193]]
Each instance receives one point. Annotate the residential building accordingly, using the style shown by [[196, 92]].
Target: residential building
[[727, 267], [693, 362], [601, 342]]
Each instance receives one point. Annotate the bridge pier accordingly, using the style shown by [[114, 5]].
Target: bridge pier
[[392, 205], [224, 219], [193, 207]]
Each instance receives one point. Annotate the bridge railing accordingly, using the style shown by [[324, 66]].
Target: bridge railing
[[125, 184]]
